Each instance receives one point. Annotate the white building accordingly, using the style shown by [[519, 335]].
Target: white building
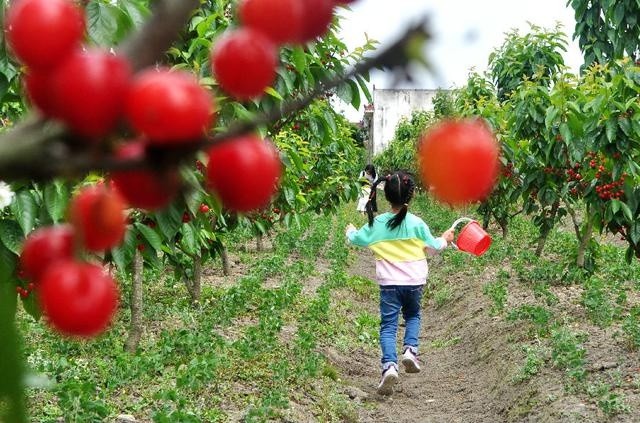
[[389, 106]]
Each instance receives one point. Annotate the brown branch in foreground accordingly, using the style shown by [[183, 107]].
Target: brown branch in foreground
[[40, 163], [38, 148], [157, 34]]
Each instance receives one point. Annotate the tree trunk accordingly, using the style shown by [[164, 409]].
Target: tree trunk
[[486, 219], [135, 331], [225, 260], [259, 246], [584, 241], [547, 229], [505, 228], [197, 279], [194, 285]]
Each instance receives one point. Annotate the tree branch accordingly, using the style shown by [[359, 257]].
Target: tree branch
[[41, 150], [157, 34]]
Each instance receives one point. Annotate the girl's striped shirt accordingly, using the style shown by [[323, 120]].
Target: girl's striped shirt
[[400, 253]]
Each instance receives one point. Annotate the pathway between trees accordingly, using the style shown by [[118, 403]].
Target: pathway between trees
[[464, 354]]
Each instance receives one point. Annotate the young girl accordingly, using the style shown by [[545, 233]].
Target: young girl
[[399, 241]]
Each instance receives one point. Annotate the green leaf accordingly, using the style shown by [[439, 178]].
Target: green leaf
[[611, 128], [137, 11], [56, 198], [122, 255], [344, 92], [11, 235], [364, 88], [103, 23], [627, 211], [299, 58], [4, 86], [615, 206], [169, 220], [189, 242], [31, 306], [260, 226], [328, 117], [273, 93], [566, 132], [355, 94], [25, 210], [150, 235]]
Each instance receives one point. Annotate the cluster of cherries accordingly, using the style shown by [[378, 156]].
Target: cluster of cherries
[[93, 91], [79, 298], [244, 60]]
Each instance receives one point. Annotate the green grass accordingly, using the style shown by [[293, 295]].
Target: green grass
[[250, 350]]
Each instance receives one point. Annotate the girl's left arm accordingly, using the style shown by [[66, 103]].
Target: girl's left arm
[[361, 237], [431, 242]]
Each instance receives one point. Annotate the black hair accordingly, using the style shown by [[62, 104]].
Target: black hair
[[398, 190], [372, 170]]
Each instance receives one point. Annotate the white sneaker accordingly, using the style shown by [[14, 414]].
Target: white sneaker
[[410, 361], [389, 378]]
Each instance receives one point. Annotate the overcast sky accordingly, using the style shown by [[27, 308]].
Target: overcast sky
[[465, 32]]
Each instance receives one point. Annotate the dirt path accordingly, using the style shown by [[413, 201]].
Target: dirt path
[[463, 352]]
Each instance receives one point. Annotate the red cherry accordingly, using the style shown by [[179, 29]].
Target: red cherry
[[244, 172], [204, 208], [140, 247], [80, 299], [38, 88], [144, 188], [19, 289], [459, 160], [45, 246], [42, 33], [88, 91], [317, 16], [186, 217], [31, 286], [98, 215], [244, 63], [169, 107], [280, 20]]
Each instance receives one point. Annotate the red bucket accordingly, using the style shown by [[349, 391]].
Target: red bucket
[[472, 238]]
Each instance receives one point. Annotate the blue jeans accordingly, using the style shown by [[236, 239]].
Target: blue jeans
[[394, 298]]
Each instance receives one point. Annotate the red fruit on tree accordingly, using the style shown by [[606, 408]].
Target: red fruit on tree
[[317, 16], [169, 107], [88, 91], [244, 172], [280, 20], [244, 62], [97, 213], [186, 217], [144, 188], [204, 208], [44, 247], [79, 299], [459, 160], [42, 33], [38, 88]]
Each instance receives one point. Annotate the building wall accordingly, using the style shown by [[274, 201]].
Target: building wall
[[389, 106]]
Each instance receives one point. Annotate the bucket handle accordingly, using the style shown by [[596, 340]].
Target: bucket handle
[[460, 220], [456, 223]]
